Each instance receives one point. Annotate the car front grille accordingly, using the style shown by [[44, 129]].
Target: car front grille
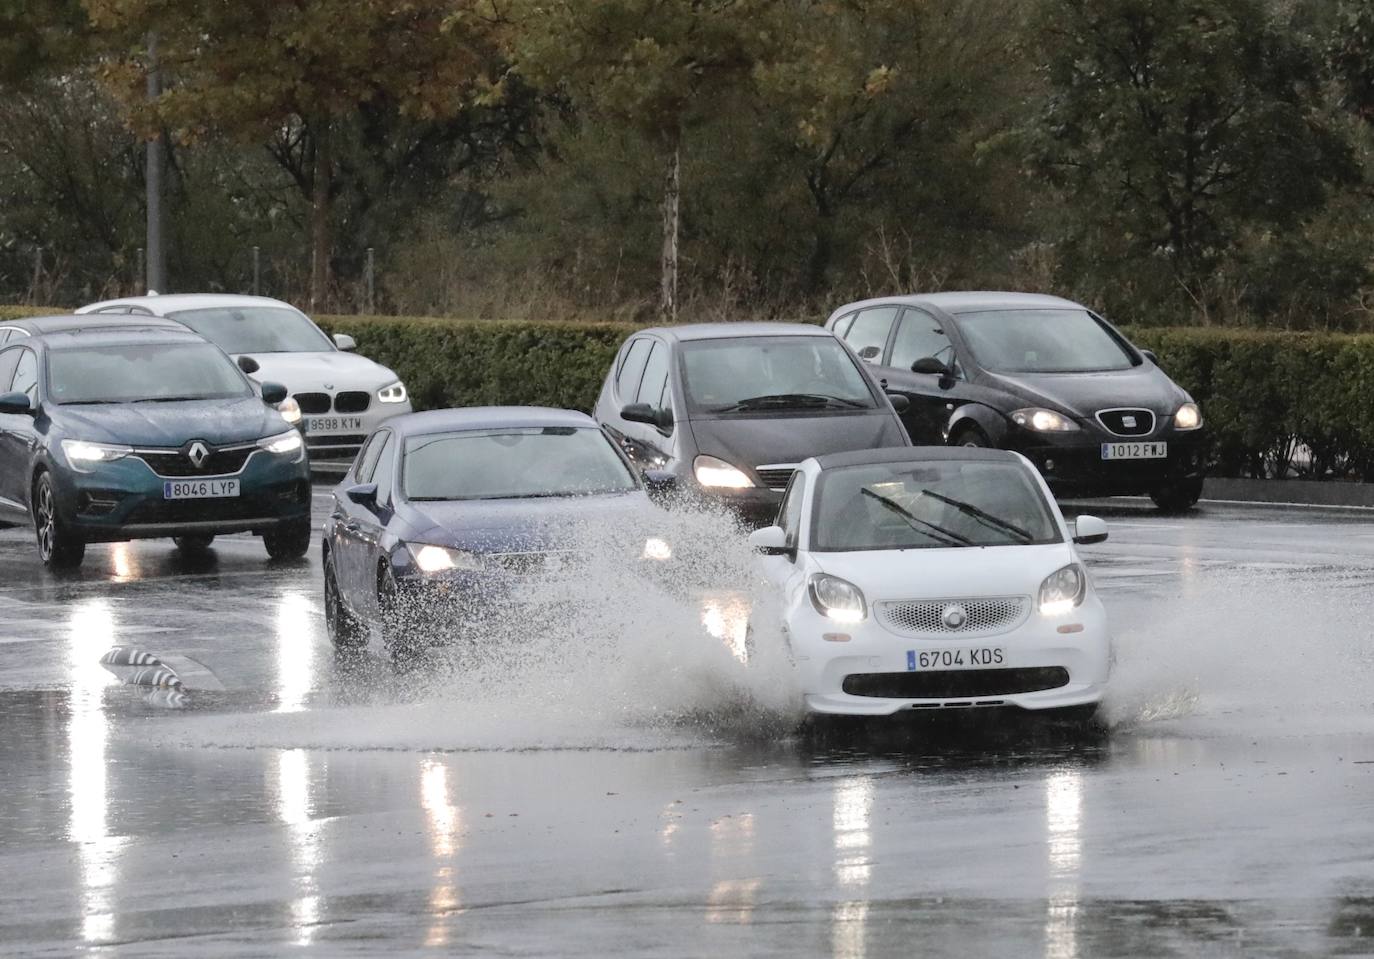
[[926, 617], [352, 401], [775, 475], [956, 683], [1127, 422], [176, 464], [313, 403], [334, 446]]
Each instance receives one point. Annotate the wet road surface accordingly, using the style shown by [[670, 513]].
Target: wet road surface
[[672, 809]]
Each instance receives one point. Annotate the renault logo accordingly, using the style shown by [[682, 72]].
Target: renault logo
[[197, 453], [954, 616]]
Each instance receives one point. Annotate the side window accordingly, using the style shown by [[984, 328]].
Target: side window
[[843, 324], [8, 361], [869, 332], [655, 377], [920, 336], [789, 512], [386, 470], [26, 375], [627, 380], [367, 458]]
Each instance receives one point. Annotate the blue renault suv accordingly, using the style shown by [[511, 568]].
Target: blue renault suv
[[119, 434]]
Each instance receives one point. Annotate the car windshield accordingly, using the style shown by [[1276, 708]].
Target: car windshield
[[772, 372], [1043, 341], [945, 503], [513, 464], [256, 329], [138, 372]]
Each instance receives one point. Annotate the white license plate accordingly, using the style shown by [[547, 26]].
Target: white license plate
[[200, 489], [1135, 451], [919, 659], [334, 424]]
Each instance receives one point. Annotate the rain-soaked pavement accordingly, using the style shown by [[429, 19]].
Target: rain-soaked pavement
[[582, 807]]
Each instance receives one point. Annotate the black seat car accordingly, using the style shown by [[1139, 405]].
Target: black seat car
[[1041, 375], [730, 409]]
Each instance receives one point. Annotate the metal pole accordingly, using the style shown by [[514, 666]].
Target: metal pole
[[157, 256], [371, 282], [257, 271], [37, 275], [138, 273]]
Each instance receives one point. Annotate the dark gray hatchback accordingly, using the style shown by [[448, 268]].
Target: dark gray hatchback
[[728, 410]]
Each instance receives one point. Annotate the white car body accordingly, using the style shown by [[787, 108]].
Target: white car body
[[314, 378], [912, 595]]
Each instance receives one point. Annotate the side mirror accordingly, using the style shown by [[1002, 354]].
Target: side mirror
[[644, 413], [1088, 530], [345, 342], [16, 404], [273, 393], [900, 402], [1150, 355], [871, 354], [364, 494], [931, 366], [771, 541], [659, 484], [249, 365]]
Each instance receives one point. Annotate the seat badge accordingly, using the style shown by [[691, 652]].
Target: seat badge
[[1128, 421]]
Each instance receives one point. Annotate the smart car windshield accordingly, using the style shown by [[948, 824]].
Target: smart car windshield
[[757, 373], [513, 464], [1043, 341], [143, 372], [256, 329], [929, 505]]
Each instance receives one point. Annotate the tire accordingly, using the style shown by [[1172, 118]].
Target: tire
[[194, 545], [971, 436], [1177, 497], [401, 648], [58, 547], [290, 541], [345, 630]]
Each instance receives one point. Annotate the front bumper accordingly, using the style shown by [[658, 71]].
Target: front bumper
[[334, 438], [124, 500], [1034, 655], [1073, 463]]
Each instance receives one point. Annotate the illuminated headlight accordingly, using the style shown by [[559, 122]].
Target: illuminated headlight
[[282, 443], [1188, 417], [82, 454], [1043, 421], [1063, 590], [718, 474], [395, 393], [439, 559], [658, 549], [837, 599], [290, 410]]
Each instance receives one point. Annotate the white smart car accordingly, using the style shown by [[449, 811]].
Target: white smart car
[[929, 578], [339, 396]]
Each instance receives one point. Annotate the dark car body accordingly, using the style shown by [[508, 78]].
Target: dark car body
[[127, 498], [766, 445], [973, 403], [375, 530]]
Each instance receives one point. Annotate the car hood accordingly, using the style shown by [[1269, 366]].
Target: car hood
[[514, 525], [750, 441], [1142, 387], [947, 573], [169, 425], [326, 371]]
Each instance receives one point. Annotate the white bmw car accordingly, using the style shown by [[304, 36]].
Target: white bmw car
[[339, 396], [935, 578]]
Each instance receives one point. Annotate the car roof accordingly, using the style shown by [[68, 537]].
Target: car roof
[[176, 302], [488, 417], [915, 455], [69, 322], [969, 301], [117, 336], [722, 331]]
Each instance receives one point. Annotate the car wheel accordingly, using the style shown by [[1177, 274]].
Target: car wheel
[[1178, 497], [971, 436], [345, 630], [58, 547], [398, 645], [291, 541], [193, 545]]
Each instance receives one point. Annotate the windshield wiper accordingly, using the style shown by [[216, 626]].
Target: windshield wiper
[[947, 536], [986, 518], [792, 401]]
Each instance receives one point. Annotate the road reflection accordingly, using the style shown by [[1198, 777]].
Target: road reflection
[[297, 655], [853, 841], [732, 899], [295, 808], [445, 822], [1063, 814]]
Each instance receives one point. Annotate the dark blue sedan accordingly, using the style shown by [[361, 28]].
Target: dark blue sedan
[[112, 435], [449, 514]]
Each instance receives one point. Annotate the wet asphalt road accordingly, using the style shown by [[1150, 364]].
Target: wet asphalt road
[[337, 806]]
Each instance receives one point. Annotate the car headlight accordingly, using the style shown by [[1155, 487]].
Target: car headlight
[[1062, 590], [290, 410], [282, 443], [837, 599], [439, 559], [395, 393], [716, 473], [1188, 417], [658, 549], [1043, 421], [82, 454]]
